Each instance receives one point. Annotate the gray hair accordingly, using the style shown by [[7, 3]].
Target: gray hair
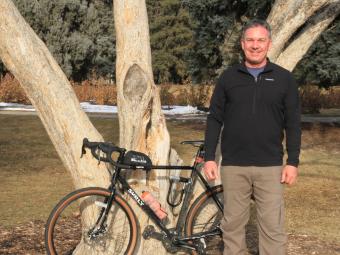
[[256, 23]]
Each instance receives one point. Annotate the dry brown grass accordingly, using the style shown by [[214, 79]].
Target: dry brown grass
[[100, 91], [33, 179], [313, 204], [313, 98], [195, 95], [11, 91], [97, 91]]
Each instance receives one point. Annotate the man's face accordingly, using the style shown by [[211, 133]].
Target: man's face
[[255, 45]]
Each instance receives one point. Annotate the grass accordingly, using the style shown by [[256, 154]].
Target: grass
[[313, 204], [32, 178]]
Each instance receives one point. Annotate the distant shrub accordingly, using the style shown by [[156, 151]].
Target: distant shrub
[[314, 98], [98, 91], [167, 98], [332, 99], [311, 99], [101, 91], [11, 91], [199, 95], [195, 95]]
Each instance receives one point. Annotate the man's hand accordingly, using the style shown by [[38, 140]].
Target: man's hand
[[289, 174], [210, 170]]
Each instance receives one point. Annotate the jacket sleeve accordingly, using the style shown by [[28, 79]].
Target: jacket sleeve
[[215, 119], [292, 122]]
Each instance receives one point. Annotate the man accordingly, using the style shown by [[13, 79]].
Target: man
[[255, 102]]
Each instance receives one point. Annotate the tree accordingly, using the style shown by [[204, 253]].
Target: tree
[[47, 87], [296, 25], [217, 25], [321, 64], [79, 34], [171, 40], [142, 125]]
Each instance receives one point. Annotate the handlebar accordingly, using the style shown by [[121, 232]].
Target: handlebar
[[107, 149]]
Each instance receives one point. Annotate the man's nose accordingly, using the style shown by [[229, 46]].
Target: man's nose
[[255, 45]]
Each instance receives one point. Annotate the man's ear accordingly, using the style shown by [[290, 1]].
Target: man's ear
[[242, 44]]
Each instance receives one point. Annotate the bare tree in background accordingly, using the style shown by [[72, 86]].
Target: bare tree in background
[[296, 24]]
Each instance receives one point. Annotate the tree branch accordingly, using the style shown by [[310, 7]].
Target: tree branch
[[298, 48], [47, 87], [286, 17]]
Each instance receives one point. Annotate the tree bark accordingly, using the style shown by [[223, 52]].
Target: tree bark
[[305, 39], [48, 89], [286, 17], [141, 123]]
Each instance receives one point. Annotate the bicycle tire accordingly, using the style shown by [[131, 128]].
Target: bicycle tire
[[205, 215], [66, 227]]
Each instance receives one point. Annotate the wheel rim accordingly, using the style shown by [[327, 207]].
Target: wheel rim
[[204, 216], [68, 227]]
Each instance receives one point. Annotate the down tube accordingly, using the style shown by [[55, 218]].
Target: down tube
[[208, 188], [145, 207]]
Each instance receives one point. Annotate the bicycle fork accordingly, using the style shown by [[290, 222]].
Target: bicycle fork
[[100, 227]]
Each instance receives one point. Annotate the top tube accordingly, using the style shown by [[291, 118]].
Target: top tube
[[109, 148]]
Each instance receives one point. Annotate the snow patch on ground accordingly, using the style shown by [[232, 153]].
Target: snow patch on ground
[[93, 108]]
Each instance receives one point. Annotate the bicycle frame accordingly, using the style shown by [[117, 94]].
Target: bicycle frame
[[175, 236], [171, 236]]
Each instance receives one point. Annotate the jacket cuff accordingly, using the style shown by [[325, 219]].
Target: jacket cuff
[[209, 158], [292, 162]]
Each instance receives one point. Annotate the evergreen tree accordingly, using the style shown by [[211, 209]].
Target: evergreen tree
[[79, 33], [190, 39], [321, 64], [217, 28], [171, 38]]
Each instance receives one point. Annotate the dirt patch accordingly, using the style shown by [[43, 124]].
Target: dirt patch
[[29, 239], [23, 239]]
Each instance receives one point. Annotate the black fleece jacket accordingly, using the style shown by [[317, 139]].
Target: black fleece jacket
[[254, 114]]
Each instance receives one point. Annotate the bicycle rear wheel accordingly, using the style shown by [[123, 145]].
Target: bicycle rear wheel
[[205, 215], [71, 221]]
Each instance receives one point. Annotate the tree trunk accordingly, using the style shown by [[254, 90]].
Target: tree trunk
[[286, 17], [48, 89], [141, 123], [305, 39]]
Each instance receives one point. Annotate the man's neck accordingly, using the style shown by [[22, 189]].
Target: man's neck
[[260, 65]]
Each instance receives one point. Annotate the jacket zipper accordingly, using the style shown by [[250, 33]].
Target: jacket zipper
[[255, 93]]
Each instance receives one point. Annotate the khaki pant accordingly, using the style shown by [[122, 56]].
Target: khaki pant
[[239, 183]]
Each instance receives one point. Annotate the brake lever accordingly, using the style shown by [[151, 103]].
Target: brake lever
[[99, 158]]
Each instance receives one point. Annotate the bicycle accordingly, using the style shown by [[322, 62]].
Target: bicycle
[[197, 230]]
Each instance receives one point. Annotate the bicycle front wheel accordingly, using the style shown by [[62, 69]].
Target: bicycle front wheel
[[70, 227], [204, 215]]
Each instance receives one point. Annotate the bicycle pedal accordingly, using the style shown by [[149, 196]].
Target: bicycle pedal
[[150, 232]]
